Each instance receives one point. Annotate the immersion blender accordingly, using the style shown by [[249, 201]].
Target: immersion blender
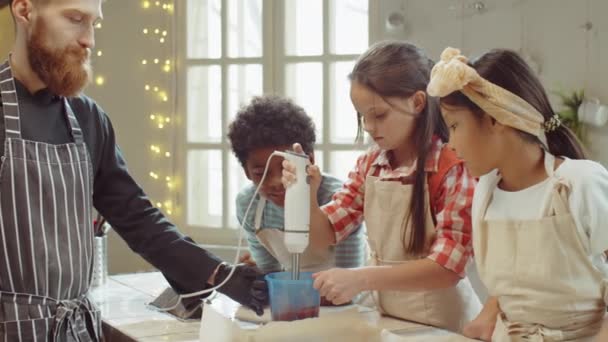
[[297, 211]]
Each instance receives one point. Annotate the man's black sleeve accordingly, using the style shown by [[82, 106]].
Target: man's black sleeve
[[146, 230]]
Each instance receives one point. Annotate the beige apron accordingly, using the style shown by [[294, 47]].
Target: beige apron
[[274, 242], [541, 272], [385, 209]]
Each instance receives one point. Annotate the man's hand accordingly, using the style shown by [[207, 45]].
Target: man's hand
[[246, 286]]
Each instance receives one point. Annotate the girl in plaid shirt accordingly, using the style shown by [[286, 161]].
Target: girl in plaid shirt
[[412, 191]]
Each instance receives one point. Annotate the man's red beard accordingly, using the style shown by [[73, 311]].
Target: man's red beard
[[65, 72]]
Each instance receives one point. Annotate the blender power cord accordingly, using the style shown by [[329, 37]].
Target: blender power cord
[[238, 249]]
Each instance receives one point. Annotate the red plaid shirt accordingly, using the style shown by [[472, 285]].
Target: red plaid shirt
[[451, 204]]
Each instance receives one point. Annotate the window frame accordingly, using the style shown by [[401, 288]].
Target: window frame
[[274, 61]]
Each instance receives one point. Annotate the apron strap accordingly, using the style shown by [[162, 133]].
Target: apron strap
[[537, 332], [549, 163], [531, 332], [259, 211], [557, 202], [71, 316], [72, 122], [10, 107], [11, 113], [486, 197]]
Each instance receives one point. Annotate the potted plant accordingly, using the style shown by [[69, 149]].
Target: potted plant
[[569, 112]]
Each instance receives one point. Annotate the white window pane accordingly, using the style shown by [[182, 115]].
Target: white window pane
[[343, 162], [303, 27], [204, 28], [343, 117], [205, 188], [204, 104], [319, 160], [304, 84], [236, 182], [349, 26], [245, 28], [244, 82]]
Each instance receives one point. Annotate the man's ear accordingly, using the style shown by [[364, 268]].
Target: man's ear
[[22, 11]]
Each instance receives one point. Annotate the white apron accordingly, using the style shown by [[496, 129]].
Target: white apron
[[274, 241], [386, 203], [540, 271]]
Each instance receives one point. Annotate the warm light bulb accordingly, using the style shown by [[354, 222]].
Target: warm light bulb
[[100, 80], [145, 31], [163, 96], [98, 25], [147, 87], [156, 89], [167, 154], [167, 68], [156, 60], [156, 31], [168, 179], [162, 40], [158, 204], [164, 33], [145, 4], [167, 120], [152, 117], [168, 62], [99, 53], [161, 126], [144, 62], [157, 3], [169, 212]]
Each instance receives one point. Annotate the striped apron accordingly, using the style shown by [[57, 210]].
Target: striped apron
[[46, 233]]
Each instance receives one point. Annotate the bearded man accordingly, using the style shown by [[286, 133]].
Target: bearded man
[[59, 160]]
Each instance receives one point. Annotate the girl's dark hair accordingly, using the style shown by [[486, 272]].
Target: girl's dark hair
[[508, 70], [394, 68]]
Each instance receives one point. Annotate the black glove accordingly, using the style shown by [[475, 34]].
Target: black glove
[[246, 286]]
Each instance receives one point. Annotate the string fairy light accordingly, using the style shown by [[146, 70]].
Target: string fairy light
[[159, 119], [99, 80]]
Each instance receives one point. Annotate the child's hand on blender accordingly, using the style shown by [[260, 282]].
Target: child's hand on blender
[[314, 179], [313, 171], [246, 258]]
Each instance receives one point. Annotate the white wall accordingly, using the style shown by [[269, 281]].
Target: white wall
[[551, 33], [6, 32], [129, 106]]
